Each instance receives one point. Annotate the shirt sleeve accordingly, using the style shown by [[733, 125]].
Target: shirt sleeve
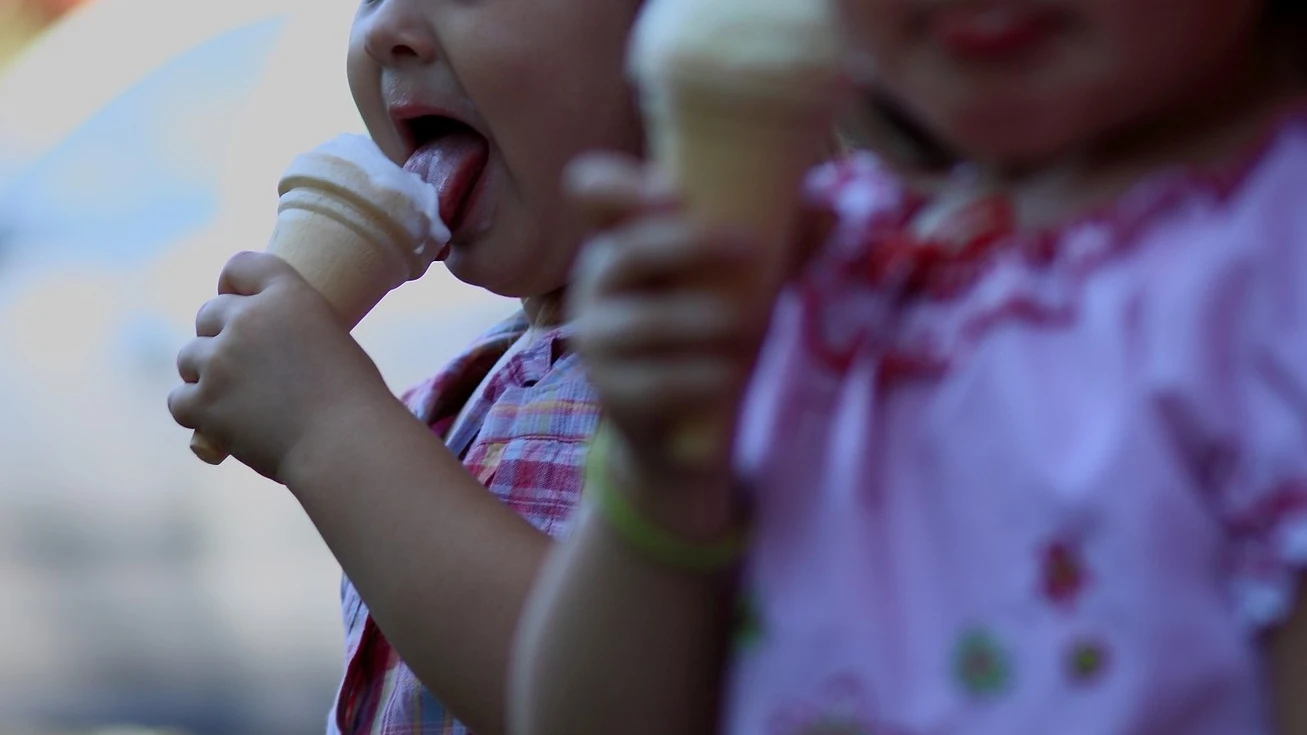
[[1263, 502]]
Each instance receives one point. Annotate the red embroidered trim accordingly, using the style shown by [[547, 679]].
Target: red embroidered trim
[[886, 259]]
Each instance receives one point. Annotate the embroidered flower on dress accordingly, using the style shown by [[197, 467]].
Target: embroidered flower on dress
[[874, 289], [980, 664], [1086, 660], [1064, 576]]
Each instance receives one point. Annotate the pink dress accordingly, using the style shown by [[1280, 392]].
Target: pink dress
[[1055, 485]]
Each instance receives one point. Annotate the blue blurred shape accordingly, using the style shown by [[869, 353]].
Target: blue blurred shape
[[143, 171]]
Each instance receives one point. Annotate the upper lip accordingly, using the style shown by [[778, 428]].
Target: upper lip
[[406, 116]]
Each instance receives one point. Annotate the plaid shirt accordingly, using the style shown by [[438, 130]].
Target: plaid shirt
[[525, 439]]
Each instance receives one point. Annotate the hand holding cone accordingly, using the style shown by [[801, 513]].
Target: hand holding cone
[[740, 99], [356, 226]]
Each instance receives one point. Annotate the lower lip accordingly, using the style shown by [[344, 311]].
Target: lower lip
[[992, 33]]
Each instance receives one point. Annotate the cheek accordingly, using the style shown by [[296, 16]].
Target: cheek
[[1196, 31], [540, 123], [1205, 38], [365, 86], [874, 25], [856, 15]]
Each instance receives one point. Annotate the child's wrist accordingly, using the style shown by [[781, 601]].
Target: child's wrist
[[681, 519], [336, 437], [698, 505]]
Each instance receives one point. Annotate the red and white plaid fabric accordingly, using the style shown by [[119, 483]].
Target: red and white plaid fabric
[[532, 426]]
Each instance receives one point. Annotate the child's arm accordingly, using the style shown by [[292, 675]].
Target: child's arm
[[616, 639], [1288, 660], [612, 642], [445, 568]]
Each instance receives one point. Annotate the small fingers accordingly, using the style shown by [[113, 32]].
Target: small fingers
[[213, 315], [183, 404], [608, 188], [192, 358], [644, 326], [665, 249], [247, 274], [683, 386]]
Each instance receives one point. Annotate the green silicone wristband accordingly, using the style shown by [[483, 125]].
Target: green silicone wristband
[[649, 539]]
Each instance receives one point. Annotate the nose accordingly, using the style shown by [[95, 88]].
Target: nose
[[396, 32]]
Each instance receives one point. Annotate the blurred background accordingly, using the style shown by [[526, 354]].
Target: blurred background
[[142, 592]]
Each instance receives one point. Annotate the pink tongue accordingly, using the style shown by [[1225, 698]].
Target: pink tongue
[[452, 163]]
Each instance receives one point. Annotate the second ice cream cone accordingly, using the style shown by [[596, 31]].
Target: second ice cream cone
[[740, 99], [736, 168]]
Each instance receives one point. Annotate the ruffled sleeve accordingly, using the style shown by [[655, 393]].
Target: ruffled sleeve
[[1263, 498]]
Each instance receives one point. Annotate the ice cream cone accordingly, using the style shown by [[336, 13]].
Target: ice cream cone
[[355, 227], [736, 168], [345, 240], [740, 100]]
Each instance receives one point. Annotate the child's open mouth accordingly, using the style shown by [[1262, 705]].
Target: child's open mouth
[[451, 157]]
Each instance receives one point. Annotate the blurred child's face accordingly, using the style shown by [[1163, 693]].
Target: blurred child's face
[[489, 100], [1018, 81]]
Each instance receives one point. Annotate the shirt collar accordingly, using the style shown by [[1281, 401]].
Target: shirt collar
[[444, 394]]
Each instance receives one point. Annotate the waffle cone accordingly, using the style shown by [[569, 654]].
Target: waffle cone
[[738, 165], [345, 237], [347, 253]]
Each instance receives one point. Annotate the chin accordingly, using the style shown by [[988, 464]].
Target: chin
[[462, 263], [1011, 152], [471, 265], [1003, 138]]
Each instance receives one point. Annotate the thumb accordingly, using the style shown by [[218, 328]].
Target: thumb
[[248, 273]]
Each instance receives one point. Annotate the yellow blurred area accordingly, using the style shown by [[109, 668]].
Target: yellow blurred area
[[21, 21], [19, 24]]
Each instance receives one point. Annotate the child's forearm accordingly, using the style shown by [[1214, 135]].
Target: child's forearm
[[613, 643], [444, 567]]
